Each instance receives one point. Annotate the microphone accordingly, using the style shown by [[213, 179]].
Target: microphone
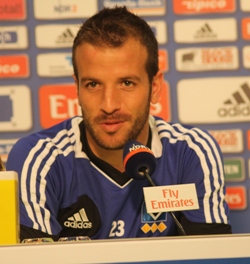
[[139, 163]]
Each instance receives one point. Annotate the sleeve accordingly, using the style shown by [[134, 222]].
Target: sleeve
[[192, 228], [38, 202], [27, 232], [202, 164]]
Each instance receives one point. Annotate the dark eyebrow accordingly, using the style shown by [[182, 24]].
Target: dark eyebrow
[[88, 79], [131, 77], [92, 79]]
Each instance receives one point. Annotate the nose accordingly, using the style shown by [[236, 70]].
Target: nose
[[110, 102]]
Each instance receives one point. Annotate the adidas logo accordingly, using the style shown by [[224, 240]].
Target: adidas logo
[[238, 104], [205, 32], [79, 221], [66, 37]]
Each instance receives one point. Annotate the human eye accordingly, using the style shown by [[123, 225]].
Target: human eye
[[91, 85], [128, 84]]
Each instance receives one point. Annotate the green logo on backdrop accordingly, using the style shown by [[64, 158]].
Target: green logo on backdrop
[[234, 169]]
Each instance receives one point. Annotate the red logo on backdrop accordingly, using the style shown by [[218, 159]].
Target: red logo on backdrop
[[236, 197], [245, 27], [12, 10], [225, 138], [163, 60], [203, 6], [14, 66], [162, 108], [223, 55], [57, 103]]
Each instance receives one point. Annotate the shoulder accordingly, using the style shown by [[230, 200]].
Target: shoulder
[[53, 134], [181, 134], [56, 139], [177, 130]]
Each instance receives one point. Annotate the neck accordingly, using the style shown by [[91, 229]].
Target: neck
[[112, 157]]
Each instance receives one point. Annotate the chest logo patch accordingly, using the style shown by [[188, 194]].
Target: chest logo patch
[[152, 222]]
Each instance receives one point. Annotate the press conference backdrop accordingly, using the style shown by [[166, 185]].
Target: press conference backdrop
[[204, 54]]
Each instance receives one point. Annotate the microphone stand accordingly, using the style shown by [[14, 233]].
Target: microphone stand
[[145, 173]]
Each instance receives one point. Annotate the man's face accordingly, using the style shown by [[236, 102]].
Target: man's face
[[114, 93]]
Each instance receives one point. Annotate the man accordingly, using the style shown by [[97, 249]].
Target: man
[[72, 179]]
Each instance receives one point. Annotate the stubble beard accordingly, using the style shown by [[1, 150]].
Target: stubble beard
[[110, 141]]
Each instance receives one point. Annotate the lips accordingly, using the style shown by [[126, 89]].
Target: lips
[[111, 125], [111, 122]]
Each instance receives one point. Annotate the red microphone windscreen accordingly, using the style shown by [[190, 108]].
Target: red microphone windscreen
[[136, 158]]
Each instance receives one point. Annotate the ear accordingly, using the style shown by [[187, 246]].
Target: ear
[[156, 87]]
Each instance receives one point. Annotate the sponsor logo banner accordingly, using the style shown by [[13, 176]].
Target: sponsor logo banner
[[5, 147], [56, 36], [203, 6], [230, 141], [234, 169], [214, 100], [170, 198], [66, 9], [140, 7], [54, 64], [205, 30], [15, 114], [236, 197], [160, 30], [245, 27], [13, 37], [14, 66], [245, 5], [12, 10], [205, 59], [58, 102]]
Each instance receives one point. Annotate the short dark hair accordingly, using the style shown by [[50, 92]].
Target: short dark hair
[[111, 27]]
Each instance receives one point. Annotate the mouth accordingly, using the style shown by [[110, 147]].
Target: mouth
[[111, 125]]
